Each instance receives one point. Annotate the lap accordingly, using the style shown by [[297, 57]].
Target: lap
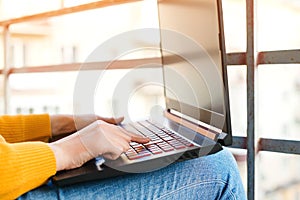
[[210, 177]]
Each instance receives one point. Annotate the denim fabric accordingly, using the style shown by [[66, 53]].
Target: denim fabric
[[210, 177]]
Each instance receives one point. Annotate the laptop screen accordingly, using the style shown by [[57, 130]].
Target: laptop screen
[[192, 62]]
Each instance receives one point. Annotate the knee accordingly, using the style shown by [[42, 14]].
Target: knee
[[222, 168], [230, 174]]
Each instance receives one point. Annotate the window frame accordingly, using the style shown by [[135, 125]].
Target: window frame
[[251, 59]]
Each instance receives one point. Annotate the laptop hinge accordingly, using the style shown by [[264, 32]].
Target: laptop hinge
[[190, 125]]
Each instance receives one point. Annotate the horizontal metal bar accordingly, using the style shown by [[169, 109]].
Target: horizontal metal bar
[[236, 58], [280, 146], [239, 142], [47, 68], [268, 144], [279, 57], [274, 57], [64, 11], [118, 64]]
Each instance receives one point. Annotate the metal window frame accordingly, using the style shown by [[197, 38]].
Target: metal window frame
[[250, 58]]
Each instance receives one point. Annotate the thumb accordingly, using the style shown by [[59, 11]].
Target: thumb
[[138, 138]]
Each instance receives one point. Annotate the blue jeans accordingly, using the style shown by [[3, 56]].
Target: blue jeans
[[210, 177]]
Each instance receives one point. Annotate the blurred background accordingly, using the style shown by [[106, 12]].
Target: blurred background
[[72, 38]]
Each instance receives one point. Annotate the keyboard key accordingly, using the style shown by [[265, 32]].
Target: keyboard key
[[141, 129], [133, 143], [167, 138], [133, 157], [153, 148], [130, 152], [176, 136], [165, 146], [176, 144], [154, 142], [137, 151], [159, 126], [188, 144], [178, 147], [139, 148]]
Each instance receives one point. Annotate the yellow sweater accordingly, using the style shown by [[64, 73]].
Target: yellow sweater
[[24, 165]]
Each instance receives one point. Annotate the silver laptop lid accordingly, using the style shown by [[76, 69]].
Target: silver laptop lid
[[195, 76]]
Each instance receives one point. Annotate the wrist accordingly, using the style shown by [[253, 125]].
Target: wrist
[[57, 151], [69, 152], [62, 124]]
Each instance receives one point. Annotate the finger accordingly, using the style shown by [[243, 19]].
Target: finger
[[125, 146], [137, 138], [140, 139], [122, 133], [121, 145], [120, 142], [127, 133], [112, 120], [114, 132], [114, 150], [117, 149]]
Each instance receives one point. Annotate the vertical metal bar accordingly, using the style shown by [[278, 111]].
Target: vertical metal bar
[[250, 58], [6, 45]]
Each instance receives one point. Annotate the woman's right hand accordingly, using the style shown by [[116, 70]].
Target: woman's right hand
[[98, 138]]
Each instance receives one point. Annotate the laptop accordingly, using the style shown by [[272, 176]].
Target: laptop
[[196, 121]]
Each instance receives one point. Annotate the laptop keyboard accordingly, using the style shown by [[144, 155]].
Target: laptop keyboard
[[161, 140]]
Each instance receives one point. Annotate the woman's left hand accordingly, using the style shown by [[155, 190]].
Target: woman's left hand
[[67, 124]]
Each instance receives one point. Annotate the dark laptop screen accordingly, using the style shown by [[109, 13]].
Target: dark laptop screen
[[192, 61]]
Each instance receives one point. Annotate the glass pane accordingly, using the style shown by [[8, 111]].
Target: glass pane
[[14, 8], [234, 12], [238, 99], [54, 92], [68, 3], [134, 93], [278, 93], [278, 24], [281, 180], [240, 156], [71, 38], [41, 93]]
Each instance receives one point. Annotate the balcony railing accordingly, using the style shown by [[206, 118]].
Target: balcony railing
[[250, 59]]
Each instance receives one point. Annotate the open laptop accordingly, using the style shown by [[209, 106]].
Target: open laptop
[[196, 121]]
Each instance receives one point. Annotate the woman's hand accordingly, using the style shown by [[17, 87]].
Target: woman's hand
[[98, 138], [67, 124]]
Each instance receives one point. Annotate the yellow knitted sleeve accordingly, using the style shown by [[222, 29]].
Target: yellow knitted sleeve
[[20, 128], [24, 165]]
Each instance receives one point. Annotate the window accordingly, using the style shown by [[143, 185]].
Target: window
[[45, 56], [63, 40]]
